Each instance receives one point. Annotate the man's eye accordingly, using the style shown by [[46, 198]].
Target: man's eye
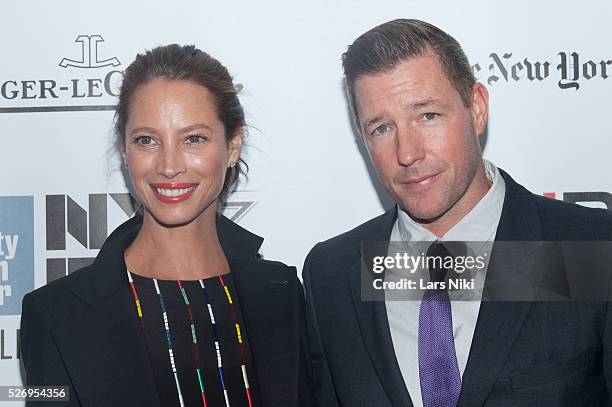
[[196, 138], [430, 116], [382, 129]]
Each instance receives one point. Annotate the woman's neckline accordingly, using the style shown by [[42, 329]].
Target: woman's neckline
[[174, 280]]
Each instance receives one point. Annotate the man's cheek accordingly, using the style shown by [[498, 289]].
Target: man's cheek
[[384, 168]]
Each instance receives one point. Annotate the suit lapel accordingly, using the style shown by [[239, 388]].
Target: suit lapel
[[373, 322], [500, 322]]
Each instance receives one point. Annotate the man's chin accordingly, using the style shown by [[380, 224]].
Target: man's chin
[[423, 213]]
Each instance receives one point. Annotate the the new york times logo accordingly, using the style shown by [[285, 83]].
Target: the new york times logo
[[571, 69], [75, 232], [91, 87]]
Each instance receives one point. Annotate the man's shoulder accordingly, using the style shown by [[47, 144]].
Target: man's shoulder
[[563, 220], [346, 246], [555, 219]]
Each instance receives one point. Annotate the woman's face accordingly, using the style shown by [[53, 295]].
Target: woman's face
[[176, 151]]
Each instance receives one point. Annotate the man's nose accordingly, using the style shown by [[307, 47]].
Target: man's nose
[[409, 147]]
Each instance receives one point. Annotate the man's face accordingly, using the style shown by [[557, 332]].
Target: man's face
[[423, 140]]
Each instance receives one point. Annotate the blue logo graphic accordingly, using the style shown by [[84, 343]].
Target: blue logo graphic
[[16, 251]]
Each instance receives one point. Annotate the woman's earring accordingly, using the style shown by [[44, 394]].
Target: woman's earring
[[232, 164]]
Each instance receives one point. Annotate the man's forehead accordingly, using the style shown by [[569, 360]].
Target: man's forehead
[[421, 69], [426, 58], [404, 93]]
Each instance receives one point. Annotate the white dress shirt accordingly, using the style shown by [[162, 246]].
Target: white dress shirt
[[479, 225]]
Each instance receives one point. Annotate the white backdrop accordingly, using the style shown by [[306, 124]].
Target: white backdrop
[[308, 178]]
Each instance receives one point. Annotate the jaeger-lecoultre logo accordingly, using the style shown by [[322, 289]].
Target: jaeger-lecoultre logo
[[89, 54]]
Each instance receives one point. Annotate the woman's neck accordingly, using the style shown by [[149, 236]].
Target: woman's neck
[[187, 252]]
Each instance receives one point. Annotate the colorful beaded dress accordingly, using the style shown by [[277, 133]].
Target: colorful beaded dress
[[196, 341]]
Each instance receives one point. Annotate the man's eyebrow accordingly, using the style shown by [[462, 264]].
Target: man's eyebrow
[[419, 104], [373, 120], [423, 103]]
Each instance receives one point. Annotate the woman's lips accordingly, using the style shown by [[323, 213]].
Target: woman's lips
[[173, 192]]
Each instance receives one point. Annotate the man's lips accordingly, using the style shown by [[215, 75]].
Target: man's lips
[[419, 182], [173, 192]]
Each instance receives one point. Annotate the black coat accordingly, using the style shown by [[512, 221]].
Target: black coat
[[523, 353], [81, 330]]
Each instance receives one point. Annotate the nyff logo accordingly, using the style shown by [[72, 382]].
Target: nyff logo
[[64, 216], [89, 228], [89, 54]]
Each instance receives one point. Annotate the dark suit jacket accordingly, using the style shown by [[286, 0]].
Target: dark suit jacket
[[523, 353], [82, 330]]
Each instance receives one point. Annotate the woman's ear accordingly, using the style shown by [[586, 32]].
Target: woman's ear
[[235, 145]]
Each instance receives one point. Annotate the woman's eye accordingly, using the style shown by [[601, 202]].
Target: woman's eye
[[430, 116], [144, 140], [382, 129]]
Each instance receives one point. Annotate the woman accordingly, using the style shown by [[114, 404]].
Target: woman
[[178, 308]]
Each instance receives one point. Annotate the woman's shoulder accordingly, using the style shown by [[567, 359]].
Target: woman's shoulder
[[259, 263], [62, 285], [275, 265], [56, 299]]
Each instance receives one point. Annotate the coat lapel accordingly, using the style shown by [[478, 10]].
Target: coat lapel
[[374, 325], [499, 322]]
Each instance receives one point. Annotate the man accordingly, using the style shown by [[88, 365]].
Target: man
[[420, 112]]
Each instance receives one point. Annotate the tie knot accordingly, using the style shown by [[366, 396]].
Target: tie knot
[[442, 257], [437, 256], [440, 260]]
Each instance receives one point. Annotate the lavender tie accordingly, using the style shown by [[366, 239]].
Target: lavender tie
[[438, 368]]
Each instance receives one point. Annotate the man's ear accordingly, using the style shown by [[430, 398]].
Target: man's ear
[[480, 107]]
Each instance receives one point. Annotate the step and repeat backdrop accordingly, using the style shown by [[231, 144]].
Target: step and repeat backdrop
[[547, 65]]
